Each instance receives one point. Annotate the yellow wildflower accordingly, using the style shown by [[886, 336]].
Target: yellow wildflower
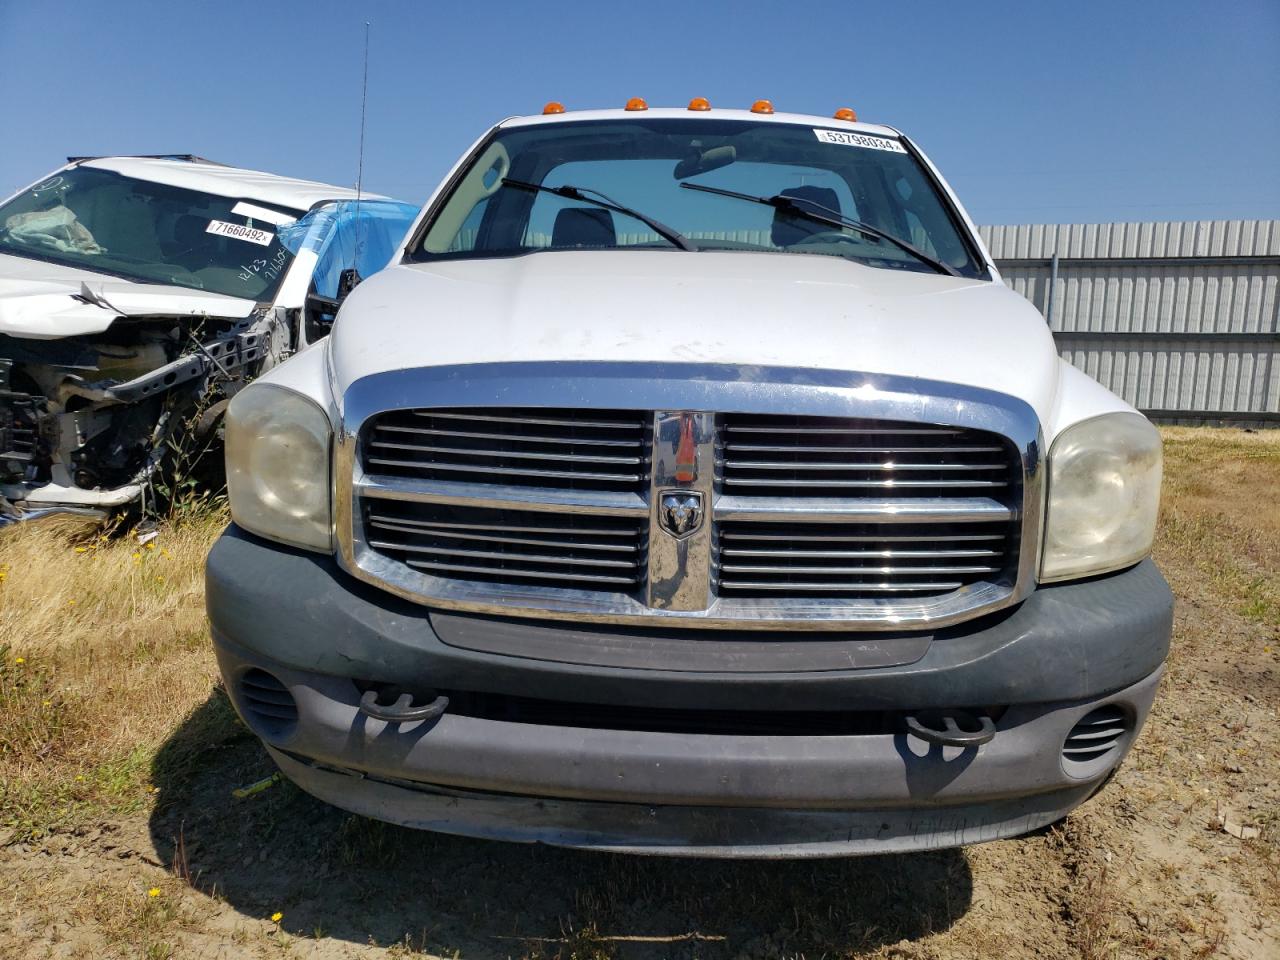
[[79, 778], [137, 556], [20, 660], [153, 892], [82, 549], [277, 917], [47, 703], [159, 579], [151, 546], [71, 603]]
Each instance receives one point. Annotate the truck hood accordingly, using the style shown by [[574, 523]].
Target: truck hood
[[805, 311], [48, 301]]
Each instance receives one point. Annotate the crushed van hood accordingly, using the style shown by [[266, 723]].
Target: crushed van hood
[[709, 307], [47, 301]]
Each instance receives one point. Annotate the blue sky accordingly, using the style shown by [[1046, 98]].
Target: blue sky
[[1072, 112]]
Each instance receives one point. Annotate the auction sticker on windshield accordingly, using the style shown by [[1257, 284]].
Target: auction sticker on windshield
[[859, 140], [240, 232]]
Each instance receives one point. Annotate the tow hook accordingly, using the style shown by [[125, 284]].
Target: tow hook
[[402, 711], [951, 734]]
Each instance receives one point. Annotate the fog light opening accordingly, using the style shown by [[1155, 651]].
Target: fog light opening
[[1095, 741], [269, 706]]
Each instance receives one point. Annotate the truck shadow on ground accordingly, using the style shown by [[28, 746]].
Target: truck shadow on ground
[[334, 875]]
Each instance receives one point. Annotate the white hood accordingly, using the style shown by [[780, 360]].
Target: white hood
[[710, 307], [41, 301]]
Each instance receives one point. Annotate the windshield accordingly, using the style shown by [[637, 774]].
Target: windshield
[[149, 232], [642, 165]]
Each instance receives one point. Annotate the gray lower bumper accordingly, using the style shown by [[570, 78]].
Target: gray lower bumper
[[691, 831], [1060, 655], [694, 794]]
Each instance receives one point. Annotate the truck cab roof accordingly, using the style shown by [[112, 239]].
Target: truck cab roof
[[213, 178], [677, 113]]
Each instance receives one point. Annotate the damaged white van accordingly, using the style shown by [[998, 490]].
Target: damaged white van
[[692, 483], [137, 294]]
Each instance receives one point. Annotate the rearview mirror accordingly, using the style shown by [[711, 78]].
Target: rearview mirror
[[705, 162]]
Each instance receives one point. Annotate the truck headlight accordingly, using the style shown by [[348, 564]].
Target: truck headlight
[[277, 445], [1104, 492]]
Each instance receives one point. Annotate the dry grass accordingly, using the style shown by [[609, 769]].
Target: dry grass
[[105, 652], [117, 694]]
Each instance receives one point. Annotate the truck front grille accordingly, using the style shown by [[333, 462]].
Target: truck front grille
[[853, 560], [805, 521], [555, 449], [834, 456], [504, 546]]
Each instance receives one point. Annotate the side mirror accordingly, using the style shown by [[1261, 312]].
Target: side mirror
[[348, 280], [322, 311]]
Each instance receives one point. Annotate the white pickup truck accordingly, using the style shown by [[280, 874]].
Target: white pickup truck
[[692, 483], [137, 294]]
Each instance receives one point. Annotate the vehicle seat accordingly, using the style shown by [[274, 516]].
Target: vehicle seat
[[789, 229], [584, 227]]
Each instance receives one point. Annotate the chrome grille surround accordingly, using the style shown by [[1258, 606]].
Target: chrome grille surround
[[680, 585]]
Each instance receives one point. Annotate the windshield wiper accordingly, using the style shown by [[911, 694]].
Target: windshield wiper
[[833, 218], [580, 194]]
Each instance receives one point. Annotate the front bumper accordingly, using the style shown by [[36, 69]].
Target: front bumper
[[11, 513], [1042, 667]]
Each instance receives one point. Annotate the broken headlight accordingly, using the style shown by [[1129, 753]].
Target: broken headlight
[[277, 444], [1104, 492]]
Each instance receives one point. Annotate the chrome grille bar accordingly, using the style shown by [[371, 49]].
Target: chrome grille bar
[[452, 534], [861, 554], [824, 587], [508, 472], [536, 420], [803, 484], [576, 578], [533, 558], [855, 431], [800, 448], [852, 571], [888, 466], [782, 509], [497, 496]]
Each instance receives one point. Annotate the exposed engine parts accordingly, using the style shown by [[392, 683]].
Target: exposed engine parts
[[99, 412]]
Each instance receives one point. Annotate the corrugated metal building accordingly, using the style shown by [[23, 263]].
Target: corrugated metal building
[[1181, 319]]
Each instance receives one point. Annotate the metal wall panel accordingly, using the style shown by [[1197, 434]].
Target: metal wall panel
[[1180, 319]]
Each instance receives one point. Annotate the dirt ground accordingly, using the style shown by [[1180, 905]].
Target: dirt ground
[[120, 835]]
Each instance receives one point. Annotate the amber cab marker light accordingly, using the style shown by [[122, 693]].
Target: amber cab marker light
[[762, 106], [845, 113], [637, 103], [554, 106], [699, 103]]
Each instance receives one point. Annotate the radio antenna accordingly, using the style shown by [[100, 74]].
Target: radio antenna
[[364, 103]]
